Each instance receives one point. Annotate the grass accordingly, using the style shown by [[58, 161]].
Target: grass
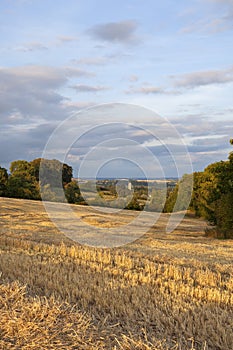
[[164, 291]]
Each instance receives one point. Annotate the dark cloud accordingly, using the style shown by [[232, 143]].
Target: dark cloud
[[24, 142], [118, 32], [30, 108], [32, 91], [196, 125], [211, 142]]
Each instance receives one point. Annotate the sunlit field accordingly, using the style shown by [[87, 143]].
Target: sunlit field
[[162, 291]]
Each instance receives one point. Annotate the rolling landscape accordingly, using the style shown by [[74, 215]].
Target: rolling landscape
[[163, 291], [116, 175]]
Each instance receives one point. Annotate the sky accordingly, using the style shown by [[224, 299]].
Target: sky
[[63, 58]]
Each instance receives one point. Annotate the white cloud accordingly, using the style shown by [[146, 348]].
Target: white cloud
[[145, 90], [195, 79], [89, 88]]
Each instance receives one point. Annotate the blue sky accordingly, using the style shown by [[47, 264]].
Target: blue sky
[[174, 57]]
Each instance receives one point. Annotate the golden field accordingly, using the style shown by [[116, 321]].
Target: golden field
[[163, 291]]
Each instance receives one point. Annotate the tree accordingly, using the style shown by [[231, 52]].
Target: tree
[[134, 204], [52, 172], [157, 201], [224, 215], [179, 198], [224, 205], [213, 195], [22, 183], [72, 193], [3, 181], [208, 187]]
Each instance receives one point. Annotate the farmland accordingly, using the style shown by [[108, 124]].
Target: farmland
[[162, 291]]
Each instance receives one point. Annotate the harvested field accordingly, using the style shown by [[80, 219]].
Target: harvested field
[[162, 291]]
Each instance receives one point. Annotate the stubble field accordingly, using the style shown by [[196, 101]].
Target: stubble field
[[163, 291]]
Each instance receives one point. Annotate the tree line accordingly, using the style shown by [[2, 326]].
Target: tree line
[[39, 178], [211, 198]]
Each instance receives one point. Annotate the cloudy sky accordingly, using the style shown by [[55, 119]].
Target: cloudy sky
[[171, 57]]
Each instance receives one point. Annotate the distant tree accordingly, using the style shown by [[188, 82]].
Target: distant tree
[[179, 198], [72, 193], [22, 183], [3, 181], [224, 215], [19, 166], [213, 195], [157, 201], [48, 194], [67, 174], [224, 205], [134, 204], [36, 167], [52, 171], [208, 188]]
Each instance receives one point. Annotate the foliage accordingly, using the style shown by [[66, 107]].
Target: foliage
[[48, 194], [134, 204], [52, 171], [179, 198], [157, 200], [3, 181], [72, 193], [29, 179], [213, 196], [171, 200], [22, 183], [224, 215]]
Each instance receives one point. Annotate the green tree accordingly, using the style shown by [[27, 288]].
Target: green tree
[[52, 171], [224, 215], [179, 198], [207, 190], [48, 194], [134, 204], [213, 195], [3, 181], [22, 183], [72, 193], [157, 201]]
